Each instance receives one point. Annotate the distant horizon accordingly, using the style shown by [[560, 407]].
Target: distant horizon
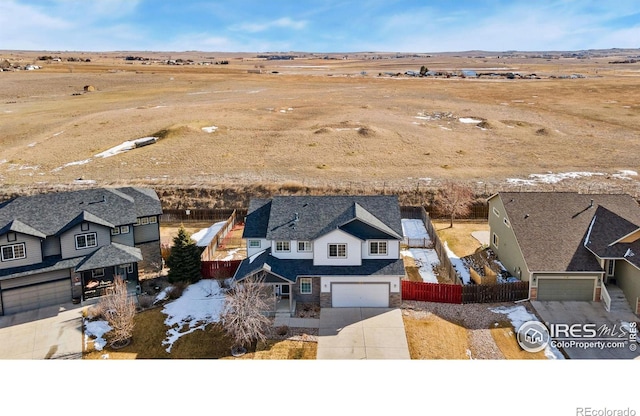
[[374, 26], [511, 51]]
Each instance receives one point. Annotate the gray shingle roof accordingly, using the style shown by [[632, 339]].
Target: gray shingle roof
[[113, 254], [290, 269], [51, 213], [309, 217], [552, 227]]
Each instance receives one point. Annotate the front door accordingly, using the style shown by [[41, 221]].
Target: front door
[[282, 291]]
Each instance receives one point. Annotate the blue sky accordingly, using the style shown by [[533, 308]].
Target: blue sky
[[318, 26]]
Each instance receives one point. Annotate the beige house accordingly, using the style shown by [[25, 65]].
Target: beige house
[[569, 246]]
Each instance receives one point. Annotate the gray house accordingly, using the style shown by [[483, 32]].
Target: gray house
[[338, 251], [569, 246], [65, 246]]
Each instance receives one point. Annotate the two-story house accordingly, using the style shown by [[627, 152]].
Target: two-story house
[[339, 251], [567, 245], [59, 247]]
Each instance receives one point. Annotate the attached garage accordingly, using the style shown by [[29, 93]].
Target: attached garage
[[372, 295], [33, 292], [566, 289]]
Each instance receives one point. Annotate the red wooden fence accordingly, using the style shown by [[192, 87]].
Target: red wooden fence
[[431, 292], [435, 292], [219, 269]]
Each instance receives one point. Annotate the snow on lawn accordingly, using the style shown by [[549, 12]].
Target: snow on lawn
[[201, 303], [96, 329], [426, 260], [204, 236], [518, 315], [458, 264], [209, 129]]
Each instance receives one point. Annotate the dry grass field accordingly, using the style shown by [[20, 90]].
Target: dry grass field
[[318, 122]]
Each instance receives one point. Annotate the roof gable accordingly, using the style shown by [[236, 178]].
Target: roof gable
[[52, 212], [309, 217]]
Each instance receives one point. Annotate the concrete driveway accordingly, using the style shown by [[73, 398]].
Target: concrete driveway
[[362, 333], [576, 312], [46, 333]]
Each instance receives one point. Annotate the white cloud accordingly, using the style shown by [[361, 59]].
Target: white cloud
[[282, 23]]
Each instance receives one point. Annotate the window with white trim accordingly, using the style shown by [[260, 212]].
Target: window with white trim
[[495, 240], [87, 240], [283, 246], [378, 248], [338, 251], [306, 286], [124, 229], [496, 212], [611, 267], [153, 220], [506, 222], [304, 246], [13, 252], [115, 231], [254, 244]]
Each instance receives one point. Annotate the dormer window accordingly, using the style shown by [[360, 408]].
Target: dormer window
[[13, 252], [86, 240]]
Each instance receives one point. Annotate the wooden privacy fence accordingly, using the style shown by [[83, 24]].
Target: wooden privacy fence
[[219, 269], [208, 252], [444, 293], [431, 292], [199, 215], [446, 267]]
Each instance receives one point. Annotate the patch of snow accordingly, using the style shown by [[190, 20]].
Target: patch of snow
[[58, 133], [445, 128], [230, 254], [32, 144], [96, 329], [204, 236], [414, 228], [123, 147], [426, 260], [209, 129], [201, 303], [84, 181], [468, 120], [625, 174], [552, 178], [458, 264]]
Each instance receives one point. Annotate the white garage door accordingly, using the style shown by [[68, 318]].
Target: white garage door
[[565, 289], [36, 296], [372, 295]]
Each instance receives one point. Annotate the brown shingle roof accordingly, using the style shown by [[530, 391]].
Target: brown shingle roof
[[551, 227]]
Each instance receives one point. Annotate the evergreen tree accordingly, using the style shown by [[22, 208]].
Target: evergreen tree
[[184, 260]]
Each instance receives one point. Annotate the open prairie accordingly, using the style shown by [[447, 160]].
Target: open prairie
[[347, 121]]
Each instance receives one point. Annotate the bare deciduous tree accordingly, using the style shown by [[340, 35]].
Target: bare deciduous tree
[[454, 199], [119, 309], [243, 317]]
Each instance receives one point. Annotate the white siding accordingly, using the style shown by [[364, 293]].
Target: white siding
[[393, 250], [293, 253], [68, 240], [264, 244], [321, 249], [33, 250]]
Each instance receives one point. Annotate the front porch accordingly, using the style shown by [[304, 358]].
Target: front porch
[[613, 299]]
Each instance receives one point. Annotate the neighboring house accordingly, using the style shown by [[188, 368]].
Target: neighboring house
[[339, 251], [59, 247], [567, 245]]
